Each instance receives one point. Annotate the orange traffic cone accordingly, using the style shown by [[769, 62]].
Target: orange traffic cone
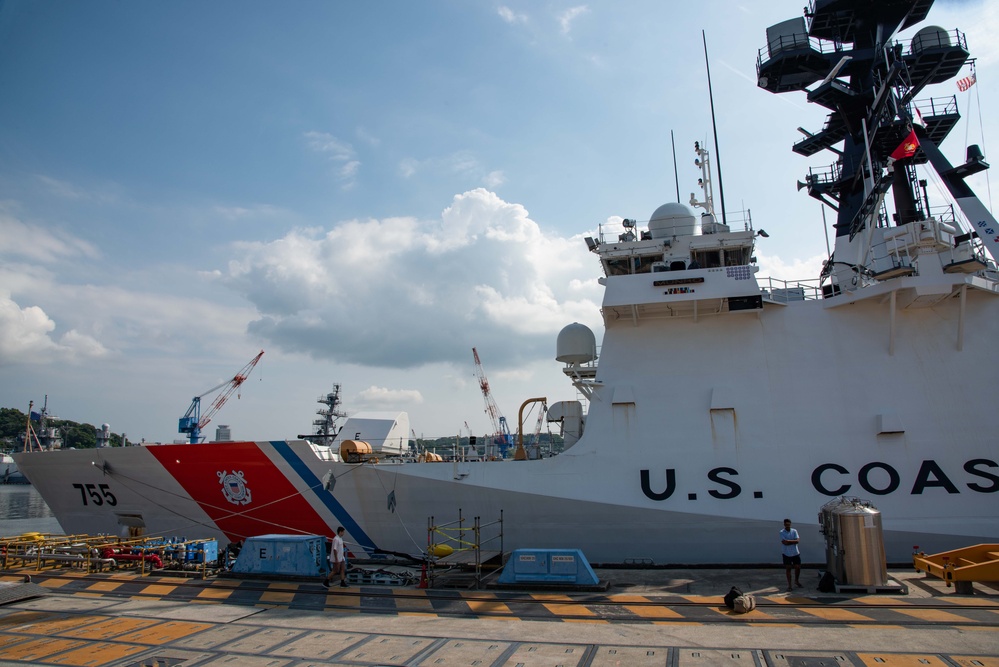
[[423, 577]]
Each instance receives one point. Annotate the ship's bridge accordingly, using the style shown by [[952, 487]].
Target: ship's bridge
[[675, 240], [681, 264]]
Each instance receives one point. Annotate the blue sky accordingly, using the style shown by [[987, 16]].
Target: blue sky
[[365, 191]]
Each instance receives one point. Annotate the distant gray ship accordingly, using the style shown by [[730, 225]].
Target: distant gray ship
[[9, 473]]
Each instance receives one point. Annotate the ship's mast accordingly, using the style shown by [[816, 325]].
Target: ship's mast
[[703, 162], [846, 59], [326, 426]]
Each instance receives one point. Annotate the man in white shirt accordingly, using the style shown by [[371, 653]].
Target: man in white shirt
[[790, 554], [337, 562]]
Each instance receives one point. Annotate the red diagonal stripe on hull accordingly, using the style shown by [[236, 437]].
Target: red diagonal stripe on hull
[[275, 504]]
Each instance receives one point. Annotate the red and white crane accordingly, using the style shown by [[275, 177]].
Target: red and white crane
[[500, 429], [193, 421]]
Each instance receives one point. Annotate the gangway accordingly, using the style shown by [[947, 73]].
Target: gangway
[[961, 567]]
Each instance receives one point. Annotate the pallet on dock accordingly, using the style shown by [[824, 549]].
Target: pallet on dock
[[890, 588], [360, 577]]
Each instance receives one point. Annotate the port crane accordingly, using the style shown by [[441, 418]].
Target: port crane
[[500, 428], [193, 421]]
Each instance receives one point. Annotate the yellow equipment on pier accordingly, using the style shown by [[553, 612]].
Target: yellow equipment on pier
[[961, 567]]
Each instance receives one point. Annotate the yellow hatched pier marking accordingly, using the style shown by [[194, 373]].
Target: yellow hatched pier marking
[[21, 617], [935, 615], [834, 614], [282, 586], [414, 605], [112, 627], [488, 607], [98, 654], [214, 594], [60, 625], [755, 615], [105, 586], [894, 660], [158, 589], [562, 605], [6, 639], [36, 649], [653, 612], [164, 632], [975, 661]]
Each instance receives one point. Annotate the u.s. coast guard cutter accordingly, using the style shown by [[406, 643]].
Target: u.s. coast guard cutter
[[719, 403]]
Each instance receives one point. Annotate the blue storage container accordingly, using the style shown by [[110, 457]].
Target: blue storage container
[[211, 551], [295, 555], [555, 566]]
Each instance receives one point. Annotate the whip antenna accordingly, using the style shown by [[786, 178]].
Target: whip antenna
[[714, 127], [675, 174]]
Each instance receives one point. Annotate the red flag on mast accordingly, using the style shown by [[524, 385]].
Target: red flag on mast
[[907, 148]]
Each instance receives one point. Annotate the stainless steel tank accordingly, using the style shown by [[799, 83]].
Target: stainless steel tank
[[828, 526], [855, 551]]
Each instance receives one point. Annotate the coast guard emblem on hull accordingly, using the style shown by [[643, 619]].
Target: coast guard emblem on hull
[[234, 487]]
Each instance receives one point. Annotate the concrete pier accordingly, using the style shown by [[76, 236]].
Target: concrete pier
[[647, 617]]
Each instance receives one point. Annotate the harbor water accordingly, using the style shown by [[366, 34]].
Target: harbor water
[[22, 510]]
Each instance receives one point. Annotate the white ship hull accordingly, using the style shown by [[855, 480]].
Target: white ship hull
[[695, 450]]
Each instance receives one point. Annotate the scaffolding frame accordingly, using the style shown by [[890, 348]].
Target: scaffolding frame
[[467, 554]]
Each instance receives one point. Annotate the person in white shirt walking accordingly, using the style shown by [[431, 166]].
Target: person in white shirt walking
[[337, 562], [790, 553]]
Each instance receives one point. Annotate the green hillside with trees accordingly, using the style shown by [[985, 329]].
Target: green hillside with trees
[[13, 424], [75, 435]]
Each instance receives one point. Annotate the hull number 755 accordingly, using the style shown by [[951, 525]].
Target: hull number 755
[[96, 494]]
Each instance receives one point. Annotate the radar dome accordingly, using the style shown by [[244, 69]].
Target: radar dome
[[576, 344], [106, 428], [673, 219], [930, 37]]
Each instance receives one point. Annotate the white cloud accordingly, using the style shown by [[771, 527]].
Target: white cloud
[[337, 151], [71, 322], [23, 330], [242, 212], [82, 345], [401, 293], [494, 179], [383, 397], [511, 16], [66, 190], [367, 137], [26, 337], [323, 142], [349, 170], [462, 163], [779, 270], [566, 18], [20, 239], [408, 167]]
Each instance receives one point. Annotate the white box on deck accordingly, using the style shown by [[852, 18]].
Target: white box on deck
[[386, 432]]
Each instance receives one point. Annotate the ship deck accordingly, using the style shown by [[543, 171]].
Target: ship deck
[[647, 617]]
